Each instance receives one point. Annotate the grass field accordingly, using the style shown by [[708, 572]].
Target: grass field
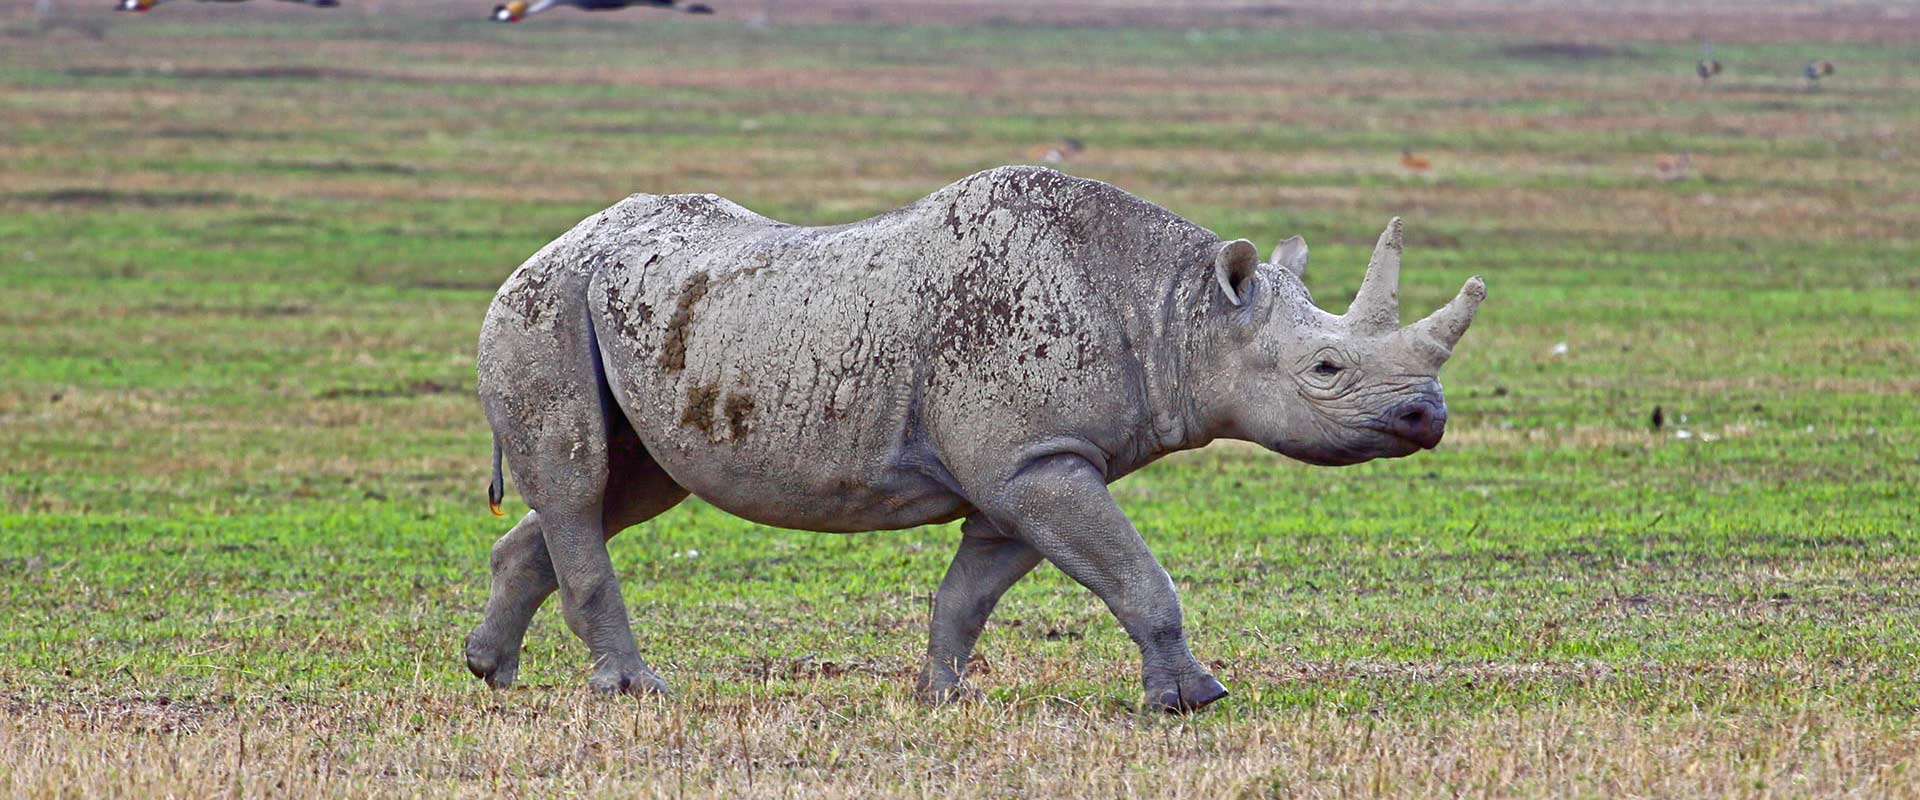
[[245, 254]]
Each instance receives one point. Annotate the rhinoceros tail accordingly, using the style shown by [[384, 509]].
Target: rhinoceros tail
[[496, 488]]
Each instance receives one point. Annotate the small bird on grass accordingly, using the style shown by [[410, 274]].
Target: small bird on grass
[[1674, 168], [143, 6], [1057, 153], [1418, 165], [1659, 419], [516, 10], [1816, 70], [1708, 66]]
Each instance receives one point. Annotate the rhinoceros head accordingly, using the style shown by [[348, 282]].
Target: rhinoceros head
[[1325, 389]]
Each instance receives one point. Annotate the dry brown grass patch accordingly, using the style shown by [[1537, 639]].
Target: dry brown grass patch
[[441, 744]]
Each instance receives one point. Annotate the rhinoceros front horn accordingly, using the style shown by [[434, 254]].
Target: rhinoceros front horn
[[1447, 325], [1376, 308]]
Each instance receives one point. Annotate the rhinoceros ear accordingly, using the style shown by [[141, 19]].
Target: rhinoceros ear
[[1234, 266], [1291, 255]]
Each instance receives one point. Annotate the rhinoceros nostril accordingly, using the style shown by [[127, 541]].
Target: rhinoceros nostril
[[1420, 423]]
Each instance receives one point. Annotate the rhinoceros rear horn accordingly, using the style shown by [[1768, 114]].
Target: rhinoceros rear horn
[[1377, 307], [1447, 325]]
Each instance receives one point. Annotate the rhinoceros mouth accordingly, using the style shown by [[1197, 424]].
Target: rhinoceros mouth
[[1389, 445], [1407, 444], [1337, 457]]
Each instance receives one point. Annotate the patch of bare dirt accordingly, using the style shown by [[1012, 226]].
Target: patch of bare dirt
[[340, 167], [415, 389], [154, 714], [1565, 51], [274, 73], [89, 197]]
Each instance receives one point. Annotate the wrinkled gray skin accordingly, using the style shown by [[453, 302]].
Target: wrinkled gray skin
[[997, 352]]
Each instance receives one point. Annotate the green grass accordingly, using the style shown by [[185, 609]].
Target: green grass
[[244, 471]]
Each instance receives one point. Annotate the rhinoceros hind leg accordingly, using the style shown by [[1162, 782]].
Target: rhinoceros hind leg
[[590, 598], [987, 564], [637, 490], [550, 409], [519, 558]]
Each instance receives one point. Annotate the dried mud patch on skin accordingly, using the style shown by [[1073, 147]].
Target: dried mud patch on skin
[[700, 408], [739, 413], [529, 296], [628, 325], [706, 412], [673, 352]]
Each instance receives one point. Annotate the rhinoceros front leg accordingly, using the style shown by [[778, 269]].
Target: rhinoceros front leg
[[987, 563], [1060, 505]]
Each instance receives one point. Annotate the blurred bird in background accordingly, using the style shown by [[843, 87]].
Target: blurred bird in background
[[1815, 71], [1057, 153], [143, 6], [1418, 165], [1673, 168], [1708, 66], [516, 10]]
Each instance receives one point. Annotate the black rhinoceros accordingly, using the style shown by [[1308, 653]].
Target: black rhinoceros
[[999, 351]]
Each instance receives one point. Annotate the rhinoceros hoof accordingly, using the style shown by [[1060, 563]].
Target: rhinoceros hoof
[[1186, 695], [946, 695], [633, 677], [491, 662]]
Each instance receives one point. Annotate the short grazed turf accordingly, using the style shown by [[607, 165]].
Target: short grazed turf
[[242, 520]]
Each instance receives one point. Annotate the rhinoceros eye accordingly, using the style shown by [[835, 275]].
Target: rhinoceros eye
[[1326, 369]]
